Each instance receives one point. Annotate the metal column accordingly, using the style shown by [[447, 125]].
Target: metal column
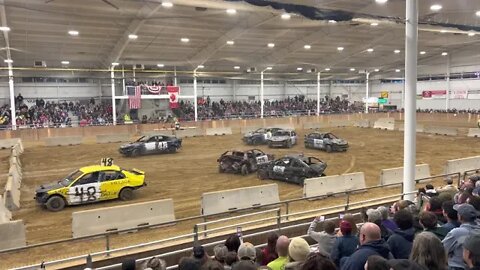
[[175, 75], [318, 93], [447, 99], [195, 94], [123, 81], [234, 84], [411, 51], [367, 91], [114, 109], [261, 95], [13, 115], [134, 79]]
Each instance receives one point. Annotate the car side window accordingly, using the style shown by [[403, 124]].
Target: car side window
[[88, 178], [152, 139], [112, 175]]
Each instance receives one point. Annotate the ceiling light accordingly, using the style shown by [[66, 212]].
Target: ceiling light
[[340, 49], [8, 61], [374, 24], [4, 28], [286, 16], [327, 69], [73, 33], [201, 66], [370, 50], [397, 70], [167, 4], [423, 52], [236, 67], [381, 1], [377, 70], [435, 7], [477, 13], [160, 65], [115, 64], [444, 53], [396, 51], [307, 47], [65, 62], [271, 45], [332, 21], [185, 40], [230, 42], [471, 34], [231, 11], [132, 36], [352, 69], [269, 68], [299, 69]]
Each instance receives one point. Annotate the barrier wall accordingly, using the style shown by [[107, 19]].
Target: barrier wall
[[450, 131], [395, 175], [218, 131], [462, 164], [12, 194], [362, 124], [385, 124], [233, 199], [12, 235], [474, 132], [116, 138], [191, 132], [63, 141], [339, 124], [5, 214], [131, 216], [312, 125], [9, 143], [323, 186], [419, 127]]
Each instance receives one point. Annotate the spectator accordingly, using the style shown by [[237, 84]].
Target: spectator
[[430, 190], [247, 251], [325, 239], [155, 263], [402, 204], [400, 242], [245, 265], [129, 264], [451, 215], [448, 188], [269, 252], [351, 219], [471, 252], [474, 201], [345, 245], [403, 264], [427, 251], [232, 243], [435, 206], [212, 265], [200, 254], [371, 243], [453, 242], [386, 221], [298, 250], [428, 220], [282, 250], [376, 262], [375, 216], [220, 253], [230, 259], [318, 261]]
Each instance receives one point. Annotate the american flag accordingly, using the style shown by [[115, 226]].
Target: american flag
[[134, 97]]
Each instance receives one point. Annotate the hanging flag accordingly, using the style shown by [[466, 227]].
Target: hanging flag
[[173, 96], [154, 89], [134, 97]]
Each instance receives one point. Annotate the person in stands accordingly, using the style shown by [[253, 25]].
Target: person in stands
[[471, 252], [298, 250], [427, 251], [282, 251], [450, 215], [345, 245], [269, 252], [428, 220], [325, 239], [318, 261], [400, 242]]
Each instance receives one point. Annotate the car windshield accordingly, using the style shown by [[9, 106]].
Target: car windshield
[[142, 139], [260, 130], [282, 133], [70, 178], [331, 136]]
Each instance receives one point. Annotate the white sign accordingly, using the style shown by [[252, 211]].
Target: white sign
[[459, 94]]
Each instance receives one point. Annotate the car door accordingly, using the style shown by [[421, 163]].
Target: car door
[[318, 142], [279, 169], [296, 171], [151, 145], [293, 137], [162, 144], [85, 189], [111, 184]]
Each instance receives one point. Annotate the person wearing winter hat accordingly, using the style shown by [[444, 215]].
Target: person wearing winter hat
[[247, 251], [220, 252], [453, 242], [155, 263], [471, 252], [200, 254], [345, 245], [129, 264], [298, 250]]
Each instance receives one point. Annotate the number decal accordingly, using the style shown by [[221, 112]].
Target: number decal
[[84, 193], [150, 146], [317, 143], [262, 159], [106, 162], [163, 145], [278, 169]]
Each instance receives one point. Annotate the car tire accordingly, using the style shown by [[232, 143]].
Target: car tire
[[135, 153], [328, 148], [244, 169], [126, 194], [289, 144], [220, 169], [55, 203], [262, 174]]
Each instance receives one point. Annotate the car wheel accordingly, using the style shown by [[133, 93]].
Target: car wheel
[[328, 148], [126, 194], [220, 169], [135, 153], [270, 145], [262, 174], [55, 203], [244, 169], [289, 144]]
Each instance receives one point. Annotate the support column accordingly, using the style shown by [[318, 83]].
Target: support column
[[134, 79], [261, 94], [367, 94], [175, 75], [318, 93], [411, 52], [123, 81], [447, 99], [234, 84], [195, 94], [13, 113], [114, 109]]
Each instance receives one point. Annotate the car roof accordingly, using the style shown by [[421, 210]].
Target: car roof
[[96, 168]]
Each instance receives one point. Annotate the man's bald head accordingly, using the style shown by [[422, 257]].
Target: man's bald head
[[369, 232], [282, 245]]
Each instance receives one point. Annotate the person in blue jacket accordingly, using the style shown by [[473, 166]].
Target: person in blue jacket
[[345, 245]]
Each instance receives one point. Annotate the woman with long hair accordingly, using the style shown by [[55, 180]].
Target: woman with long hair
[[428, 251]]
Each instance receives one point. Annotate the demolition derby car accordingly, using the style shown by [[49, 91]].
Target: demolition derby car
[[259, 136], [292, 169], [90, 184], [283, 138], [151, 145], [243, 162], [325, 141]]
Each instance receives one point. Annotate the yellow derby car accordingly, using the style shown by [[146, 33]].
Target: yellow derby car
[[90, 184]]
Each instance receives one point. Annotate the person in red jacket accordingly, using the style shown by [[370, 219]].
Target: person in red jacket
[[269, 252]]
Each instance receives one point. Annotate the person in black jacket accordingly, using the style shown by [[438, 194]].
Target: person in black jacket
[[371, 244], [471, 252], [400, 242]]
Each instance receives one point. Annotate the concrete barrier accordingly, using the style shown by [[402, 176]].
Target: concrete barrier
[[240, 198], [324, 186], [12, 194], [112, 138], [218, 131], [63, 141], [190, 132], [419, 127], [450, 131], [462, 164], [165, 132], [5, 214], [9, 143], [12, 235], [362, 124], [131, 216], [310, 125], [474, 132], [385, 124], [395, 175], [339, 124]]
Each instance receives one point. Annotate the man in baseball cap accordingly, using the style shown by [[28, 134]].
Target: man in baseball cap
[[471, 252]]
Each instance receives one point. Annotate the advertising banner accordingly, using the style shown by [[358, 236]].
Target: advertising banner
[[434, 94]]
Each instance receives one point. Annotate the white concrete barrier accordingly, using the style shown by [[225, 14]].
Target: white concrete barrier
[[188, 132], [385, 124], [130, 216], [311, 125], [218, 131], [240, 198], [12, 235], [395, 175], [362, 123], [112, 138], [9, 143], [5, 214], [63, 141], [419, 127], [339, 124], [450, 131], [462, 164], [474, 132], [324, 186], [12, 194]]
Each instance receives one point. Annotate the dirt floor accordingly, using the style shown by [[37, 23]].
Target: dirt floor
[[184, 176]]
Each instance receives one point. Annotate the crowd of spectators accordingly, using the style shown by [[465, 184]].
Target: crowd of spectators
[[452, 111], [439, 230]]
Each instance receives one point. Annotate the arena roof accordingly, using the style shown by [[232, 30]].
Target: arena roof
[[39, 30]]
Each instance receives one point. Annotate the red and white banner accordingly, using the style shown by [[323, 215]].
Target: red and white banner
[[173, 96], [153, 89], [435, 94]]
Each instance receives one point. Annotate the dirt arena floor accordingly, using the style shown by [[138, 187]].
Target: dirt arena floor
[[193, 170]]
